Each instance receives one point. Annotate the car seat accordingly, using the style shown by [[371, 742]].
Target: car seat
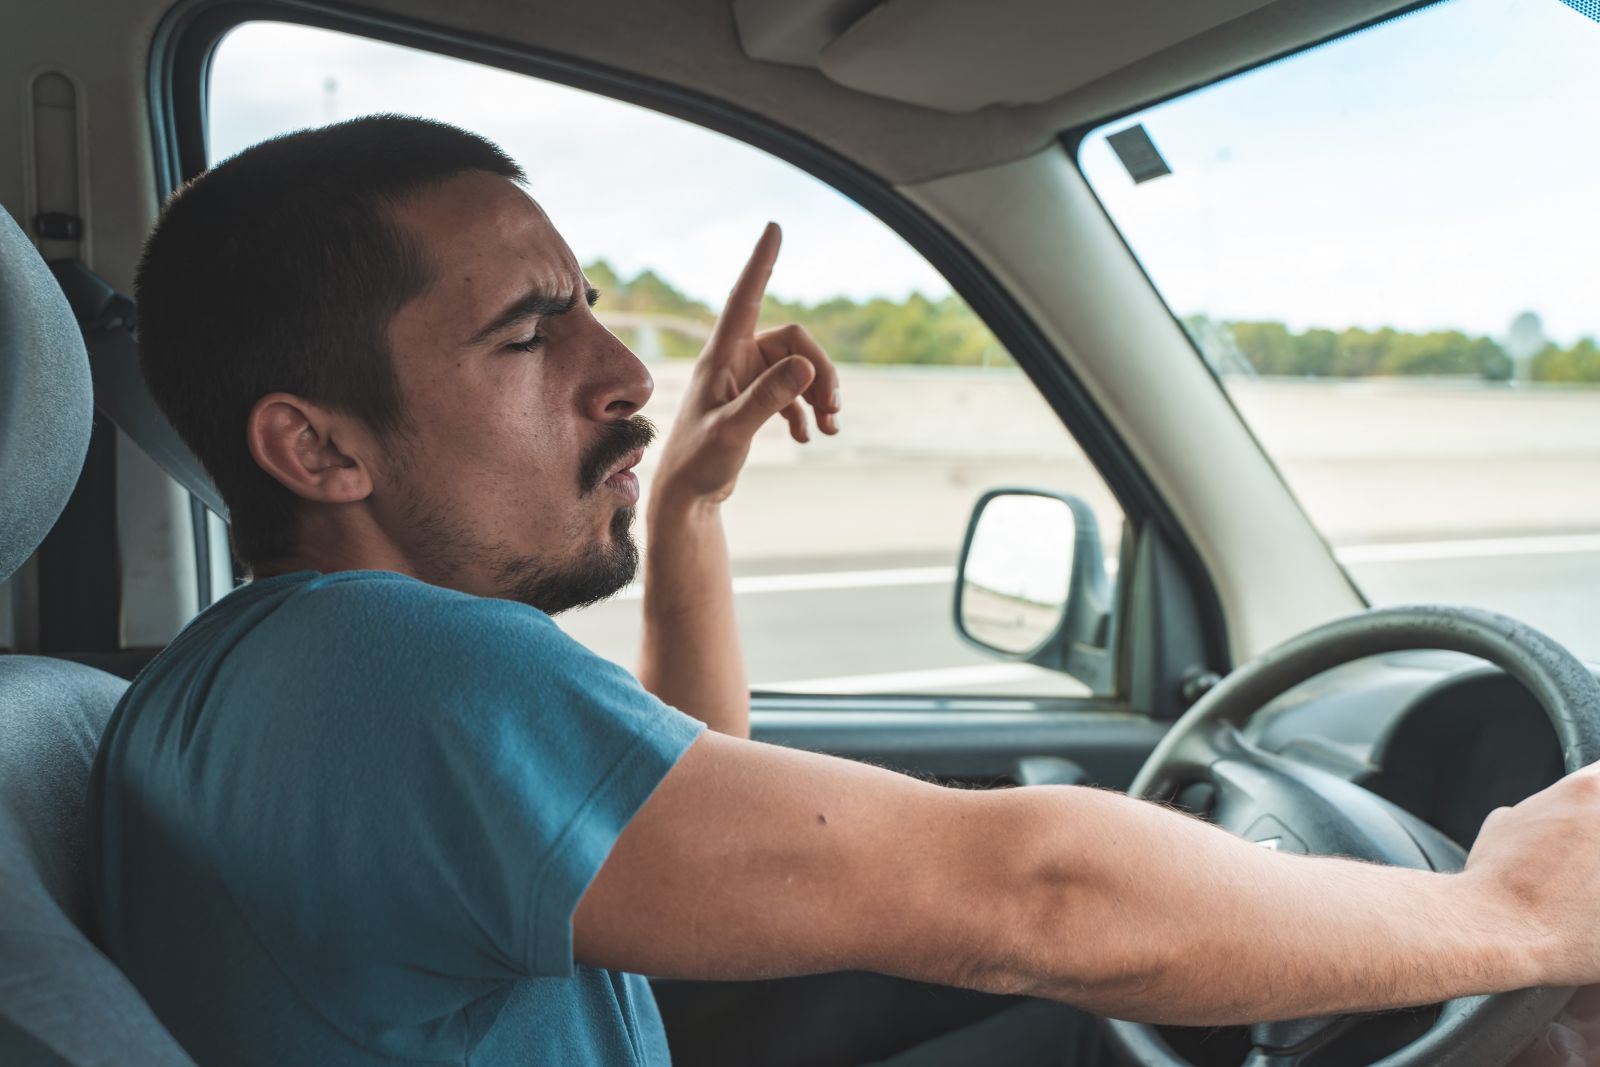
[[62, 1002]]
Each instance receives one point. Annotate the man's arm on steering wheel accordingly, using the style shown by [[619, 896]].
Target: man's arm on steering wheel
[[691, 656], [754, 861]]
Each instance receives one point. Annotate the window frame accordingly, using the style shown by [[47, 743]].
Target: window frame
[[184, 46]]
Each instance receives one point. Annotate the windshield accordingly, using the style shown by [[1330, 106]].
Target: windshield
[[1386, 248]]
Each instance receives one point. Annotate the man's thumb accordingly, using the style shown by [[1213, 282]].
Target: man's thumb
[[769, 394]]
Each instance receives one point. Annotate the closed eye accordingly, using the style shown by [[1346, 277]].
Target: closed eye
[[529, 344]]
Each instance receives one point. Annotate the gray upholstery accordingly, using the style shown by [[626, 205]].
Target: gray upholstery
[[57, 991], [45, 402], [62, 1002]]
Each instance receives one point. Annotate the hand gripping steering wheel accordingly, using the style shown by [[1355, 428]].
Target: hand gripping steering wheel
[[1280, 803]]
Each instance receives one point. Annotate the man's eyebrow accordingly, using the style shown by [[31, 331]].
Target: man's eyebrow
[[535, 304]]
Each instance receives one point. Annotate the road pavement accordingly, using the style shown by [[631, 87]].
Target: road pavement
[[879, 625]]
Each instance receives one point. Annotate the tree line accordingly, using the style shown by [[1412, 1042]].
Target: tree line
[[1271, 348], [944, 332], [916, 330]]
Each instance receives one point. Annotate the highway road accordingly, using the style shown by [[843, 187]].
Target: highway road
[[883, 625]]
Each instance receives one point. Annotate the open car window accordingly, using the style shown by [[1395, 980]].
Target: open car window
[[1384, 247], [845, 549]]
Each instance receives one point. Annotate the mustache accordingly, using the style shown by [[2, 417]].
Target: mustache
[[616, 440]]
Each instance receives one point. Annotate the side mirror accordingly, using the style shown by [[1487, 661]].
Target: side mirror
[[1032, 584]]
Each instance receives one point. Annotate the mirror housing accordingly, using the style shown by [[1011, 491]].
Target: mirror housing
[[1032, 584]]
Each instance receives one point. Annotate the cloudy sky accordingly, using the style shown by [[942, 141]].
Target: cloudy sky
[[1434, 172]]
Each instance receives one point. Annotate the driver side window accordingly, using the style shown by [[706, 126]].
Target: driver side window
[[844, 549]]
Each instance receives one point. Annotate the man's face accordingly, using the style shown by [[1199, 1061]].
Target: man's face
[[511, 478]]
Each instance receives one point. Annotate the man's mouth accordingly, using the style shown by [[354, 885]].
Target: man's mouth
[[621, 479], [608, 463], [625, 464]]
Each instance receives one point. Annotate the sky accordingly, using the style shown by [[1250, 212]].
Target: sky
[[1433, 172]]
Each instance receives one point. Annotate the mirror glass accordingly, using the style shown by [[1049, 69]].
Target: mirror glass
[[1017, 572]]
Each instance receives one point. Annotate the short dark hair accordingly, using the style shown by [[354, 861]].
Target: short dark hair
[[280, 269]]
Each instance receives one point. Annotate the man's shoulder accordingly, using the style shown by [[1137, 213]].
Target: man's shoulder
[[329, 651], [385, 590], [368, 618], [397, 606], [441, 668], [376, 632]]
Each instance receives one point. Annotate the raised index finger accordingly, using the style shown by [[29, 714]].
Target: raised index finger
[[739, 314]]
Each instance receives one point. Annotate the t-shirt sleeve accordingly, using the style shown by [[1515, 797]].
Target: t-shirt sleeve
[[512, 758], [551, 751]]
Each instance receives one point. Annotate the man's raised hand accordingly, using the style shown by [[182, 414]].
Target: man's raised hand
[[741, 380]]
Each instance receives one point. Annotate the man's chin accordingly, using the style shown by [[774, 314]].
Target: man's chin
[[601, 571]]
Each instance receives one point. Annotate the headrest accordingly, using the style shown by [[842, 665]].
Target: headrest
[[46, 405]]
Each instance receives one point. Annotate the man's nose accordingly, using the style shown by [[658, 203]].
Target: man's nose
[[622, 383]]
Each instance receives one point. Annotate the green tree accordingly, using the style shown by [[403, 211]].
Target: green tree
[[603, 277], [1580, 363], [916, 330], [1272, 348], [1269, 347], [1446, 353]]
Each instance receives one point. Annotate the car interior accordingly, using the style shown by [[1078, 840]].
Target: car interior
[[1213, 649]]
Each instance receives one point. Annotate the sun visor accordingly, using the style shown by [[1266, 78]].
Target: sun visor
[[794, 32], [958, 56]]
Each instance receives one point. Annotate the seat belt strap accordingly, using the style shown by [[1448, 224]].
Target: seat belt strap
[[109, 325]]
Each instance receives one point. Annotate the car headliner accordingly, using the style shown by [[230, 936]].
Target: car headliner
[[1098, 58]]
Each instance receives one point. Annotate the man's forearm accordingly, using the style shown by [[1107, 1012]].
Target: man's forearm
[[1136, 911], [691, 656]]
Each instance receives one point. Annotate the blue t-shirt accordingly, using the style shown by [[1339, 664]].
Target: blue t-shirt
[[346, 820]]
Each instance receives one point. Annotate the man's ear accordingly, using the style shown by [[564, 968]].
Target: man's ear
[[314, 452]]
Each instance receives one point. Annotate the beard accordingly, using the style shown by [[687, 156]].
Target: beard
[[593, 571], [600, 571]]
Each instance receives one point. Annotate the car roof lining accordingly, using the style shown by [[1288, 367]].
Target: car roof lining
[[696, 44], [690, 44], [951, 55]]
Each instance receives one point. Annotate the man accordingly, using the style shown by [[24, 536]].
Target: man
[[375, 807]]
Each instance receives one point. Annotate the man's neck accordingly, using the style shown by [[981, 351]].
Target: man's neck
[[337, 546]]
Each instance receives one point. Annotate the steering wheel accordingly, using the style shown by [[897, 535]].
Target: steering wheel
[[1206, 760]]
